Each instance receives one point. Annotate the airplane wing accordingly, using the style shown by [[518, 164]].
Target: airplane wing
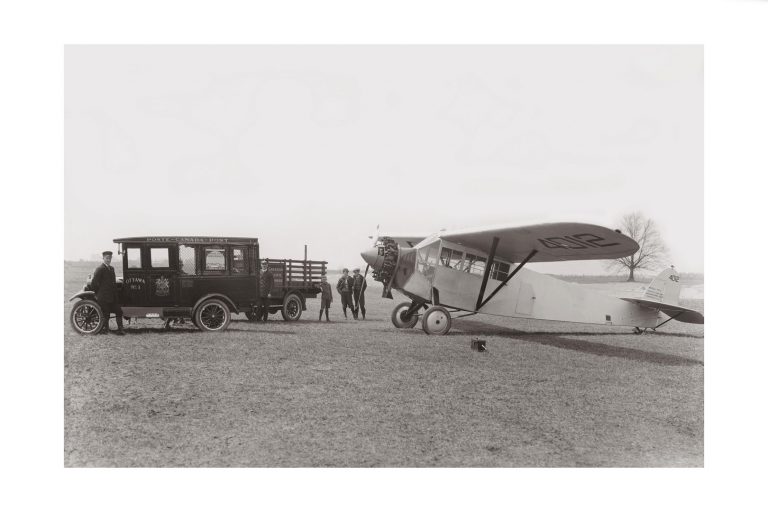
[[560, 241]]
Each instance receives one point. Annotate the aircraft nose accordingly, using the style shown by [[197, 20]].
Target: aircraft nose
[[371, 257]]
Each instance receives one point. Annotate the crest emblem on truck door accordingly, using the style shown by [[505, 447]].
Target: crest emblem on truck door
[[162, 287]]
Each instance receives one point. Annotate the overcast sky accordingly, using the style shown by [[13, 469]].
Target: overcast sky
[[317, 145]]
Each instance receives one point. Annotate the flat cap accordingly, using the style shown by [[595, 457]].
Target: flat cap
[[107, 253]]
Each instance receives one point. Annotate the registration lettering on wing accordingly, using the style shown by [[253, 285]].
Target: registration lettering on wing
[[577, 241]]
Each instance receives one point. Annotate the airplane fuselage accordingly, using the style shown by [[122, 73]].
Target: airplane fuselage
[[450, 275]]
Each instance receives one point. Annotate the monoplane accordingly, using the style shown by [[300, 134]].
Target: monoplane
[[466, 272]]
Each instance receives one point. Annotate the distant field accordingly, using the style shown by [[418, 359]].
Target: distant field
[[360, 394]]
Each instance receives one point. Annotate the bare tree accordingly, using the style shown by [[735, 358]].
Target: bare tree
[[652, 252]]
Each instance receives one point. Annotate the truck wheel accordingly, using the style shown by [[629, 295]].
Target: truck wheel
[[291, 308], [436, 320], [86, 317], [399, 318], [212, 315]]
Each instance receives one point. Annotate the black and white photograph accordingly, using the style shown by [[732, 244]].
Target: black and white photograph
[[412, 255], [384, 256]]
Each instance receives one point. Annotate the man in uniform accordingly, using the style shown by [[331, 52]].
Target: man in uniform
[[266, 282], [105, 286], [358, 291], [344, 287]]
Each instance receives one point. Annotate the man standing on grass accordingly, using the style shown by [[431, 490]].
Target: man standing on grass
[[104, 284], [266, 282], [358, 292], [344, 287], [326, 297]]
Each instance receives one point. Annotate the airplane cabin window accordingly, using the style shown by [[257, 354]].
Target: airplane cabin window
[[451, 258], [474, 264], [499, 270]]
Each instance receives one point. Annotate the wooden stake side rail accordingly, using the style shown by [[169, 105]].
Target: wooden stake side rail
[[298, 273]]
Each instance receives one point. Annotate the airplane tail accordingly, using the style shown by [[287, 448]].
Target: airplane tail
[[665, 287], [663, 294]]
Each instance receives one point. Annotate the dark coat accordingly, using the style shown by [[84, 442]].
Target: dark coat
[[345, 284], [266, 283], [104, 283], [325, 292], [359, 283]]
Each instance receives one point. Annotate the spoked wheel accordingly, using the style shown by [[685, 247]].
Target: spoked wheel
[[212, 315], [400, 320], [436, 320], [291, 308], [87, 317]]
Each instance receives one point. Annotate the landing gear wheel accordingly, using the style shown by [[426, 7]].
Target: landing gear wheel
[[399, 318], [436, 320], [291, 308], [86, 317], [212, 315]]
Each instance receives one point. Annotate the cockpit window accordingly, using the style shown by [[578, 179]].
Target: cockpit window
[[426, 259]]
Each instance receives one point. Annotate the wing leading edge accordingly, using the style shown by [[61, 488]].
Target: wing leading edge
[[559, 241]]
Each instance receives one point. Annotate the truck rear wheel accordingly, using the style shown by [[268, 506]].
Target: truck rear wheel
[[292, 307]]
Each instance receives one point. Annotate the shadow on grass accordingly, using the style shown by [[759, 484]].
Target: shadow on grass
[[492, 330], [193, 330], [557, 339]]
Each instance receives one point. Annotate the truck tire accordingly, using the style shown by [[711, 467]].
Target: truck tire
[[212, 315], [86, 317], [292, 308]]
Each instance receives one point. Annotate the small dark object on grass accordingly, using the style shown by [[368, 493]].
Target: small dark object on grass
[[478, 345]]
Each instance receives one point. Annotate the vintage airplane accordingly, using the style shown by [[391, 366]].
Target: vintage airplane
[[450, 271]]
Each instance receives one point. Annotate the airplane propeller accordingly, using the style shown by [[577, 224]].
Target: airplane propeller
[[375, 239]]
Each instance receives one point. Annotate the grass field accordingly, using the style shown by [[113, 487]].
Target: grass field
[[361, 394]]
